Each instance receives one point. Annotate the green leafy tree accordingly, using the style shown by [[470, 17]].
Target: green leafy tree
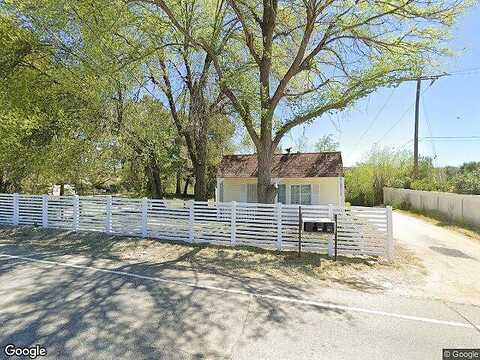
[[313, 57], [468, 183], [42, 112], [327, 143], [467, 179], [365, 181], [147, 145]]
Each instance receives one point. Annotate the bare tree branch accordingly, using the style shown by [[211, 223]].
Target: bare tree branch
[[249, 37]]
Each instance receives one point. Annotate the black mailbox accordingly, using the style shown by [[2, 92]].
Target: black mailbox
[[319, 225]]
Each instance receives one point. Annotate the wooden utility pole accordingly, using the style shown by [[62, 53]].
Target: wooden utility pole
[[415, 136], [432, 79]]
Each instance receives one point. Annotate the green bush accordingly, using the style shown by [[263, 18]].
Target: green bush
[[467, 182], [386, 168], [365, 182]]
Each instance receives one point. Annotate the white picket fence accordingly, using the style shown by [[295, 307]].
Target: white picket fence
[[361, 230]]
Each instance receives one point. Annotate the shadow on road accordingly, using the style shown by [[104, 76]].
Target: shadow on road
[[80, 313], [451, 252], [248, 263]]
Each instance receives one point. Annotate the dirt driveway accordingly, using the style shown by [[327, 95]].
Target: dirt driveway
[[451, 260]]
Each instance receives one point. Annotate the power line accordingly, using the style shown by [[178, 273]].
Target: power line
[[440, 138], [374, 119], [401, 117], [465, 71], [451, 138], [405, 144], [430, 132]]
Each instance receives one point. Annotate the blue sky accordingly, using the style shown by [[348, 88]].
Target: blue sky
[[451, 106]]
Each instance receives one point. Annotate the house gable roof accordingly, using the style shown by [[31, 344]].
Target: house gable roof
[[299, 165]]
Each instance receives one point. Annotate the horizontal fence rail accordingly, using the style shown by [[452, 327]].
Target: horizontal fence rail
[[360, 230]]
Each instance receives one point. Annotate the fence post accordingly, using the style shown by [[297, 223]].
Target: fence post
[[389, 245], [144, 217], [279, 225], [191, 221], [16, 208], [76, 212], [330, 240], [233, 225], [44, 210], [108, 211], [331, 246]]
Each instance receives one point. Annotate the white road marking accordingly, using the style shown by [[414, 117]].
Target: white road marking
[[254, 294]]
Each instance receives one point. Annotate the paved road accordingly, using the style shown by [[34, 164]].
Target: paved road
[[451, 260], [85, 308]]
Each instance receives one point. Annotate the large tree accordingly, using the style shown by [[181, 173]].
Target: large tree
[[185, 76], [119, 55], [45, 114], [299, 59]]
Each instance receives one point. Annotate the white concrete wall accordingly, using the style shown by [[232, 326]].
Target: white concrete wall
[[325, 190], [456, 207]]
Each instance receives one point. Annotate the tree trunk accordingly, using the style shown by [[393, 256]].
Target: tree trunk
[[200, 170], [62, 189], [199, 119], [3, 183], [196, 133], [185, 188], [265, 190], [200, 187], [156, 188], [178, 190]]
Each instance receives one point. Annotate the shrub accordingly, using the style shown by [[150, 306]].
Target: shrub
[[467, 182]]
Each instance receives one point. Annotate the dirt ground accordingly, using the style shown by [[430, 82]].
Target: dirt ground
[[451, 259], [367, 274], [470, 231]]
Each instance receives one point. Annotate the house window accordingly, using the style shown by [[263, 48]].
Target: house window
[[301, 194], [306, 194], [252, 193], [282, 194]]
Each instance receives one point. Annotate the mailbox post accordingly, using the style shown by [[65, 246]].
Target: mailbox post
[[300, 226], [316, 225], [336, 235]]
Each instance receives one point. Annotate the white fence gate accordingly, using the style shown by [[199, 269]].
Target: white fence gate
[[361, 230]]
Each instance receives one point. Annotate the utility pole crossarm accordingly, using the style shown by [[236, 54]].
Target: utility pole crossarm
[[429, 77]]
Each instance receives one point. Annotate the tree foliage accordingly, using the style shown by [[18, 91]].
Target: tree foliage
[[365, 181], [79, 102], [327, 143], [92, 91], [301, 59]]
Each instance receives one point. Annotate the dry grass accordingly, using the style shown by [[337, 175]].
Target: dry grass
[[361, 273]]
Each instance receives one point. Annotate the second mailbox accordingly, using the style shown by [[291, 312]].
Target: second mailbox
[[320, 225]]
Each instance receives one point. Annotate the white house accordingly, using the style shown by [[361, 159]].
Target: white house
[[301, 178]]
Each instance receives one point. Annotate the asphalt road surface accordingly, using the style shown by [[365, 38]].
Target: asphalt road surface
[[80, 307]]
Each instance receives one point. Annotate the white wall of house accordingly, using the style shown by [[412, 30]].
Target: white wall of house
[[324, 190]]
